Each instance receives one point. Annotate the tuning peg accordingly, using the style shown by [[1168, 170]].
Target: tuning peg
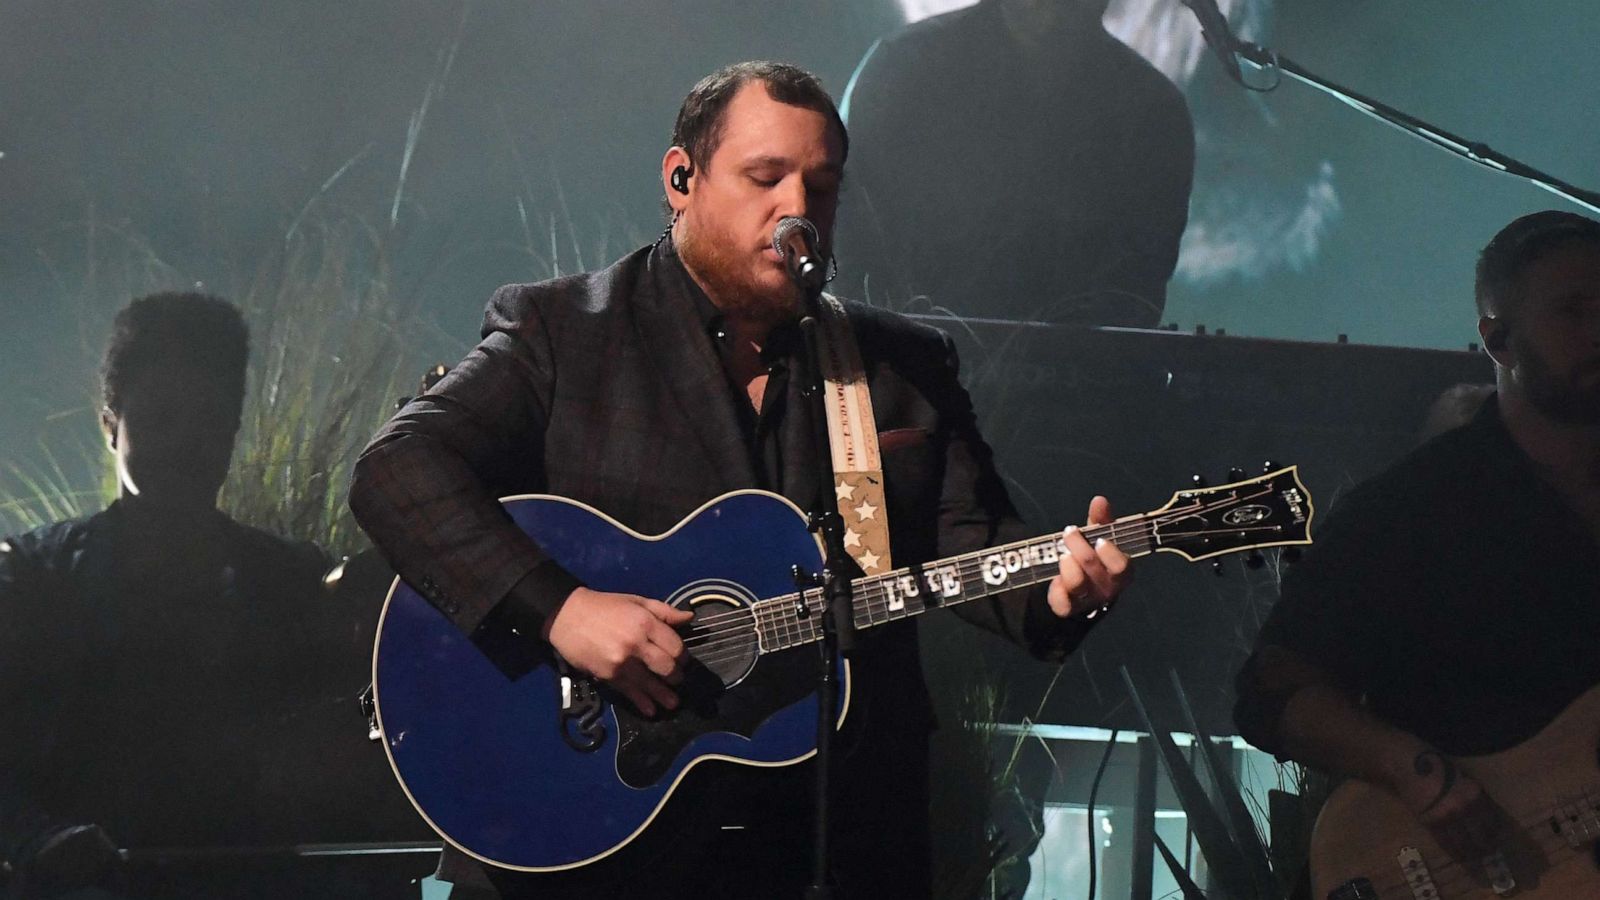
[[1199, 480], [1268, 466], [1290, 554], [1216, 567], [1254, 559], [1235, 474]]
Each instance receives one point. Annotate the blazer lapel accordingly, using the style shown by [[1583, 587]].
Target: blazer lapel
[[669, 330]]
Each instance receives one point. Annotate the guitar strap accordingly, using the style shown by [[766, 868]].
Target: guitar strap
[[853, 436]]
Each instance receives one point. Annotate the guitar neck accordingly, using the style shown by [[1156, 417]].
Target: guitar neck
[[795, 619]]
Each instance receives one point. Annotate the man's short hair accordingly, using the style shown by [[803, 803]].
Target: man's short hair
[[1517, 247], [199, 329], [700, 123]]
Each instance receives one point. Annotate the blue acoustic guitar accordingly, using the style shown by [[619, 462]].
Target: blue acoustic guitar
[[497, 752]]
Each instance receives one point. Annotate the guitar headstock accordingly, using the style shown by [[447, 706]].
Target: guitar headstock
[[1270, 510]]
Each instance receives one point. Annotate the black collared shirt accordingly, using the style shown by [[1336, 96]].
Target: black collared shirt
[[1457, 592], [762, 429]]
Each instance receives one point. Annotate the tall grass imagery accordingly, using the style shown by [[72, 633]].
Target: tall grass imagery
[[331, 359], [328, 360]]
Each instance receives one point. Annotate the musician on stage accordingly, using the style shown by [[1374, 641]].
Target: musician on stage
[[646, 390], [1017, 161], [1450, 605], [163, 668]]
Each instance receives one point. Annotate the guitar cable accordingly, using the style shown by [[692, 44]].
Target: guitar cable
[[1094, 790]]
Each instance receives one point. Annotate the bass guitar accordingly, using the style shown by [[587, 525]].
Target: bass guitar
[[534, 767], [1368, 846]]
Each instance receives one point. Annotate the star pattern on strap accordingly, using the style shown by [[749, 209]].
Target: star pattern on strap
[[862, 506]]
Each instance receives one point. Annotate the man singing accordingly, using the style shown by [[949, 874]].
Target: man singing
[[655, 385]]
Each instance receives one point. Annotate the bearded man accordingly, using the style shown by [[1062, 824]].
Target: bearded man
[[646, 390], [1449, 606]]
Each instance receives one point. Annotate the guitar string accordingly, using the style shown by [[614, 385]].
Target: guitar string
[[869, 593], [787, 628], [1144, 522], [872, 599], [868, 586], [1116, 536], [792, 631], [732, 640], [1091, 534], [1138, 524]]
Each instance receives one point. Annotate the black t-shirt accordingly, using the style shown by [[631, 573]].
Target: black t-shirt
[[1457, 592], [191, 705]]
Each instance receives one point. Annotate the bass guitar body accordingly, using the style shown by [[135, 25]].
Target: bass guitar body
[[1367, 845], [525, 766]]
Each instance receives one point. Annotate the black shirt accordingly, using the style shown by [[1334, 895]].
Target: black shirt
[[167, 706], [1458, 592], [995, 182], [763, 428]]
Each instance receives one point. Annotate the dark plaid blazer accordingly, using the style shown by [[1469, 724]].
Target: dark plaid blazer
[[605, 388]]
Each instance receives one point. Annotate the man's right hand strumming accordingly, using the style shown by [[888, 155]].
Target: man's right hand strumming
[[625, 640]]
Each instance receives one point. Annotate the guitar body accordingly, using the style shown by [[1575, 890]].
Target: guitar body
[[1549, 785], [524, 769]]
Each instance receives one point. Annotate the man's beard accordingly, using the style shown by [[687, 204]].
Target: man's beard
[[715, 261], [1566, 399]]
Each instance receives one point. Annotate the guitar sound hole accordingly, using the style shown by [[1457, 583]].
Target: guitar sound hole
[[722, 636]]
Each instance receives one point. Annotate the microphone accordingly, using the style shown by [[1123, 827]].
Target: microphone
[[1219, 37], [796, 241]]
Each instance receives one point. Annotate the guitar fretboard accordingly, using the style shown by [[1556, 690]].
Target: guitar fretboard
[[794, 619]]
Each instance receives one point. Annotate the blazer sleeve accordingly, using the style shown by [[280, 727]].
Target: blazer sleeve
[[426, 488], [975, 512]]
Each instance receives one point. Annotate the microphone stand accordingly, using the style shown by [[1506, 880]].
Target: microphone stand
[[1473, 151], [838, 623]]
